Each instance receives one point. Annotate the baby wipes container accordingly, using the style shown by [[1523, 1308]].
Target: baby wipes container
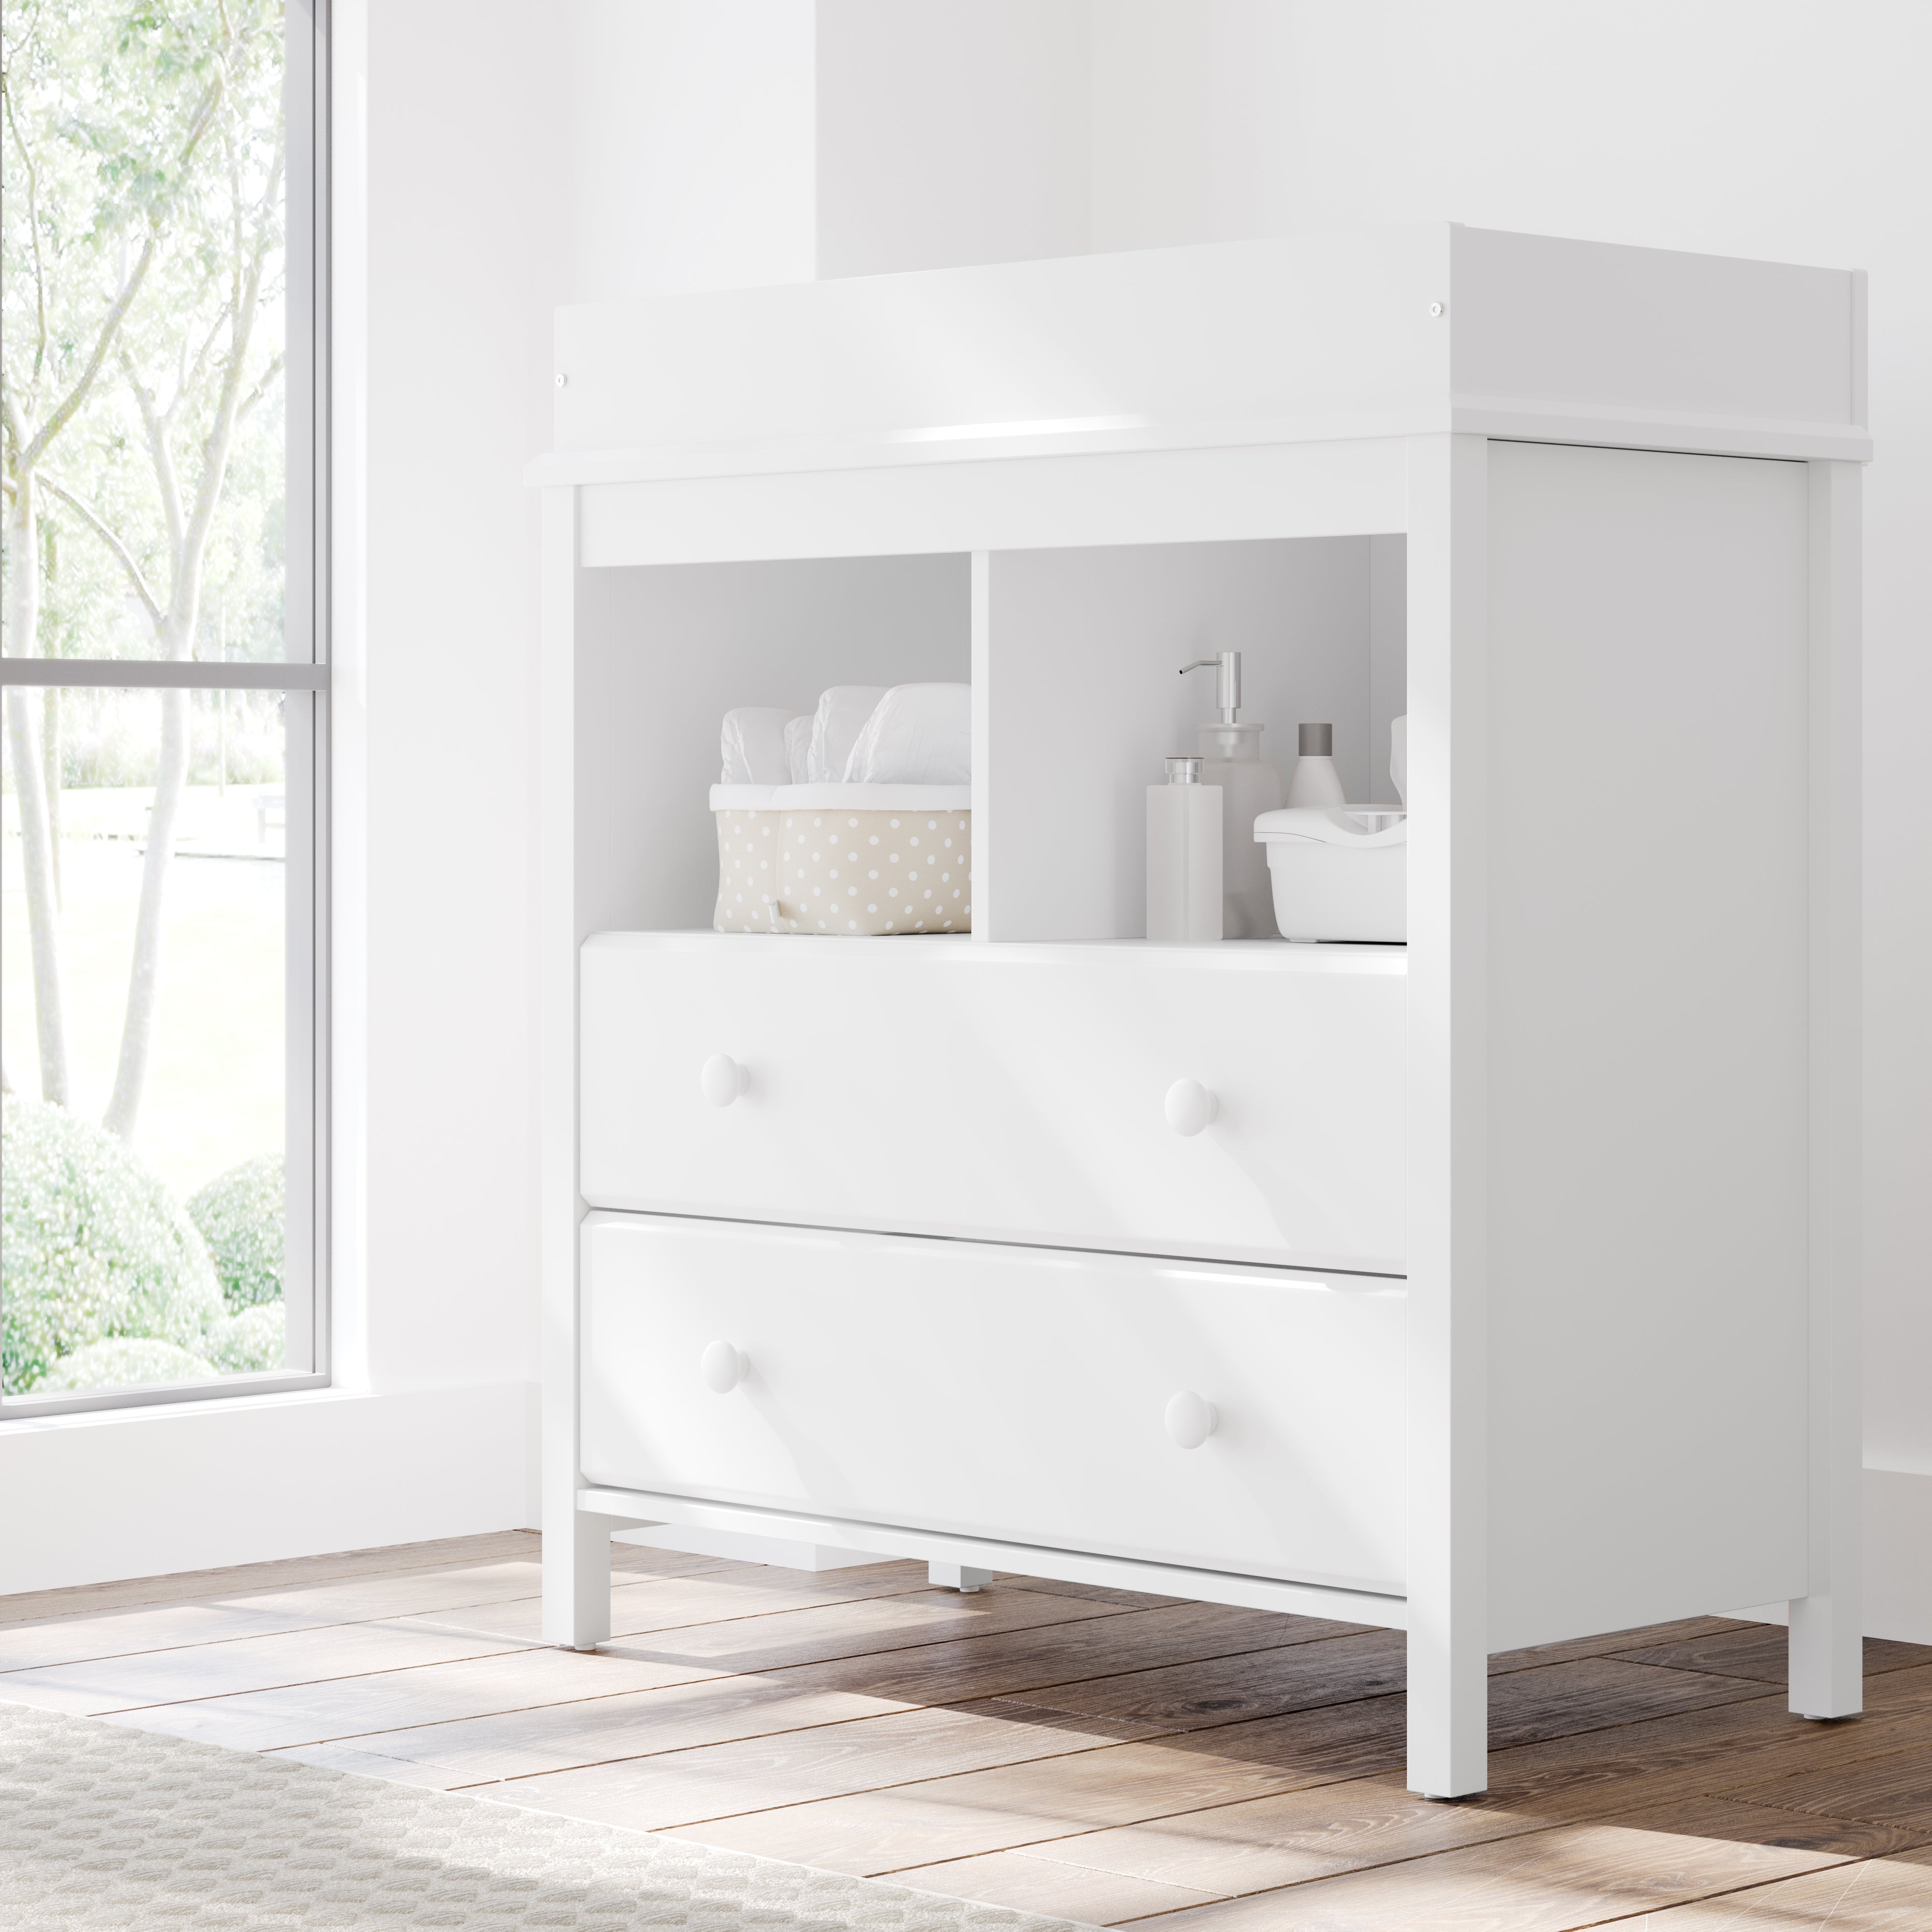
[[1338, 871], [883, 846], [848, 861]]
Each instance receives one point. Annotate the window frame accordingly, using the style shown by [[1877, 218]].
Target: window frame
[[303, 677]]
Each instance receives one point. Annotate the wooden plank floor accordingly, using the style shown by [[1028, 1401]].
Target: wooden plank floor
[[1109, 1757]]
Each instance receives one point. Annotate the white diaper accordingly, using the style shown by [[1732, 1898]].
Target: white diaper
[[841, 716], [917, 734], [753, 743], [798, 749]]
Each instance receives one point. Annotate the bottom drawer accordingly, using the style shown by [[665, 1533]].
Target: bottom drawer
[[1018, 1393]]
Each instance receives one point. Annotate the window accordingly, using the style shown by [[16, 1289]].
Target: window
[[164, 683]]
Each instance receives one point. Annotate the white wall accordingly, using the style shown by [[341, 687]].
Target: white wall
[[951, 132], [684, 140]]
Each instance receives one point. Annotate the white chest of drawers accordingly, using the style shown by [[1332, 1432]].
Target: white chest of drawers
[[1507, 1291]]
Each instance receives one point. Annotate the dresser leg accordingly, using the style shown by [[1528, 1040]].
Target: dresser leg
[[1827, 1654], [957, 1576], [1448, 1718], [577, 1580]]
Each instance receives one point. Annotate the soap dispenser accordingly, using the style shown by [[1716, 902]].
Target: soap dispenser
[[1231, 757]]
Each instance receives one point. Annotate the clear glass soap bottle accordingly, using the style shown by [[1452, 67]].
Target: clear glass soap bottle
[[1230, 758]]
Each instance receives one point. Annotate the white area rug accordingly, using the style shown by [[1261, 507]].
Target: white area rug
[[104, 1826]]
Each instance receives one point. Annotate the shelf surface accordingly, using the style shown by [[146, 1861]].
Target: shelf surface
[[922, 951]]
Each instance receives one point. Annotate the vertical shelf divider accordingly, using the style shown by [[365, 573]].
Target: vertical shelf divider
[[983, 744]]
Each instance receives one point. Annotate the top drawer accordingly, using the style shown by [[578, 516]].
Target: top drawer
[[1013, 1092]]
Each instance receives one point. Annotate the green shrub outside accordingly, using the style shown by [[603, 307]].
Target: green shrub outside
[[93, 1248], [240, 1215], [247, 1343], [126, 1361]]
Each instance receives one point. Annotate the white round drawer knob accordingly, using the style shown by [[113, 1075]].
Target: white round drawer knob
[[1191, 1419], [1190, 1107], [723, 1368], [723, 1080]]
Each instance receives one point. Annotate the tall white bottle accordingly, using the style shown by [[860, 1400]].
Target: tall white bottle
[[1230, 758], [1183, 856]]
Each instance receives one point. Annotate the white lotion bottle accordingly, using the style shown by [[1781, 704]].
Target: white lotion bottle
[[1230, 758], [1183, 857], [1316, 781]]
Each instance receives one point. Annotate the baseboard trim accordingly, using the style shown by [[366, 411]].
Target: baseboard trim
[[94, 1498]]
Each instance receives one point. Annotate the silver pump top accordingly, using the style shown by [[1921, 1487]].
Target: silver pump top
[[1183, 771], [1317, 741], [1227, 683]]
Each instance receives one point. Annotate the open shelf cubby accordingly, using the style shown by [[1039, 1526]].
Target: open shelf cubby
[[664, 651]]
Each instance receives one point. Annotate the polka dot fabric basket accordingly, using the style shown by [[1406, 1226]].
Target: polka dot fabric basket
[[852, 865]]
